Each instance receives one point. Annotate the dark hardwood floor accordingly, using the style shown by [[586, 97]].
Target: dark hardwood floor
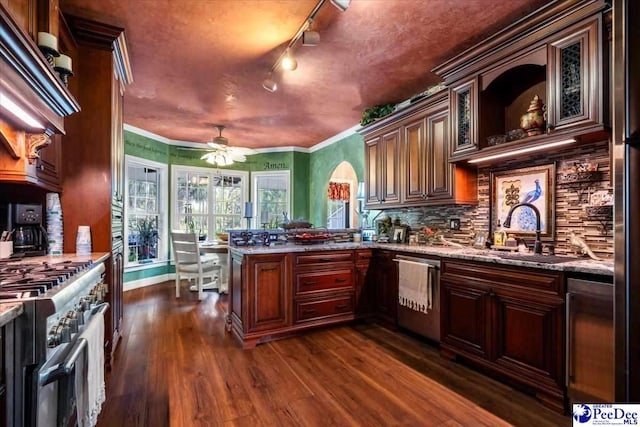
[[177, 366]]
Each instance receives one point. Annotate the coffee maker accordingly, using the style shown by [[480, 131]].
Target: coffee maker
[[28, 235]]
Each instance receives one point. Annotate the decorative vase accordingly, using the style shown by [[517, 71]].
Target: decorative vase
[[533, 121]]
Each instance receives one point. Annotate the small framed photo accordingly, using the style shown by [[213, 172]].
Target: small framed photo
[[481, 240], [398, 235]]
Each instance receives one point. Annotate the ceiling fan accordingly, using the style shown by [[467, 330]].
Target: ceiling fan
[[221, 154]]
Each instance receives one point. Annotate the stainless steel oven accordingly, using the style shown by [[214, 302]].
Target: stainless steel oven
[[60, 297]]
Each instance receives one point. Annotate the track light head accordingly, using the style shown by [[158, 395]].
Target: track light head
[[270, 84], [341, 4], [289, 63], [310, 38]]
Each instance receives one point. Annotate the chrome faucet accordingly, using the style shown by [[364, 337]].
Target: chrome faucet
[[537, 247]]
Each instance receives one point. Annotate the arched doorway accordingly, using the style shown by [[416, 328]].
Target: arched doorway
[[342, 205]]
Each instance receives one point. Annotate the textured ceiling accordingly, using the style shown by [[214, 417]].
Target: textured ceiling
[[197, 63]]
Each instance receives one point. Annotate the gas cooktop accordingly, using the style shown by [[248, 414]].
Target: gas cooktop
[[25, 279]]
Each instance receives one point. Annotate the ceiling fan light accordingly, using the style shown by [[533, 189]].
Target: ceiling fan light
[[310, 38], [289, 63], [270, 84], [341, 4]]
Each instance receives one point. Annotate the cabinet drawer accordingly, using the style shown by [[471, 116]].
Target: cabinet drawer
[[324, 280], [505, 278], [363, 256], [316, 309], [326, 258]]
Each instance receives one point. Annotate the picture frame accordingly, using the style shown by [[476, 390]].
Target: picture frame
[[480, 241], [535, 185], [398, 234]]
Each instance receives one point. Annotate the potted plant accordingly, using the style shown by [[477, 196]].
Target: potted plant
[[371, 114], [147, 230]]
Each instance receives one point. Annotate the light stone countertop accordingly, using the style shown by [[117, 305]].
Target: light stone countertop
[[579, 265], [96, 257], [9, 311]]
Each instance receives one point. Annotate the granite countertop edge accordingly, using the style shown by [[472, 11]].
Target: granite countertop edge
[[586, 265], [9, 311]]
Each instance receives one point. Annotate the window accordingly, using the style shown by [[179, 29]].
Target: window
[[271, 198], [145, 212], [338, 205], [207, 201]]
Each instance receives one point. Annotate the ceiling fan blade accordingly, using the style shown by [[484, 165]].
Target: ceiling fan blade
[[216, 146], [238, 157]]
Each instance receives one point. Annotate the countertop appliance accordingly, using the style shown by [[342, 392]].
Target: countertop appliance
[[426, 325], [28, 234], [590, 341], [59, 299]]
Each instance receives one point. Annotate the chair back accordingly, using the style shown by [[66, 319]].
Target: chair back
[[185, 248]]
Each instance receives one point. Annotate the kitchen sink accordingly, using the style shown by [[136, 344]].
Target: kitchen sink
[[545, 259]]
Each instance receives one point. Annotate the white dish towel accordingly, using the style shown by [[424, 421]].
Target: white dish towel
[[415, 287], [90, 389]]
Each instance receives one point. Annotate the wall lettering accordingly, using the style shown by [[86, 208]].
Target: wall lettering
[[273, 166]]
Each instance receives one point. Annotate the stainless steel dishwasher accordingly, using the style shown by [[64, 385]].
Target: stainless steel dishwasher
[[426, 325], [590, 341]]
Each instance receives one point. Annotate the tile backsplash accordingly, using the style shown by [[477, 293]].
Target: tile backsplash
[[569, 210]]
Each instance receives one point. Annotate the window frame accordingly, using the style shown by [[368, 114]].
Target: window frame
[[254, 192], [163, 226], [211, 173]]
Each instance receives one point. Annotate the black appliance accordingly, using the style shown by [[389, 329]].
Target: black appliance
[[28, 235]]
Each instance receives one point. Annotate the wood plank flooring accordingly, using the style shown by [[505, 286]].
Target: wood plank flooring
[[176, 366]]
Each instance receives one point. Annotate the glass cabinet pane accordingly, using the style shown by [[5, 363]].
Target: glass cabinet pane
[[570, 81]]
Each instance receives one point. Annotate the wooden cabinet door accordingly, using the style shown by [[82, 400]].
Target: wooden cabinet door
[[365, 284], [575, 93], [48, 167], [386, 288], [372, 167], [463, 99], [390, 169], [528, 338], [269, 293], [465, 320], [414, 160], [440, 171]]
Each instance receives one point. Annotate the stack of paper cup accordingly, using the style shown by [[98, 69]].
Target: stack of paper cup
[[54, 224], [83, 240]]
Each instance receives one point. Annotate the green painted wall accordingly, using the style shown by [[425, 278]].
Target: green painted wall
[[148, 272], [322, 164]]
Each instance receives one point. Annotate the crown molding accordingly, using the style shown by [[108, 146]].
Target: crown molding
[[327, 142]]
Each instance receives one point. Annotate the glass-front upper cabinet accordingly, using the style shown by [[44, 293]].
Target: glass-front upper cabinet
[[464, 105], [575, 76]]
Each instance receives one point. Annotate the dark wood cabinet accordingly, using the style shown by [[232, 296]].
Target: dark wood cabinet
[[464, 111], [279, 294], [49, 164], [385, 276], [268, 293], [561, 55], [365, 284], [575, 77], [508, 320], [382, 156], [407, 159], [93, 154]]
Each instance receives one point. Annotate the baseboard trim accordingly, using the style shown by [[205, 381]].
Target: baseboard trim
[[148, 281]]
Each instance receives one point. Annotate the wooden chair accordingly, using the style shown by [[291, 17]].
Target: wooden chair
[[190, 264]]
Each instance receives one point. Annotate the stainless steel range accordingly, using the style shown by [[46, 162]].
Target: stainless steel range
[[60, 298]]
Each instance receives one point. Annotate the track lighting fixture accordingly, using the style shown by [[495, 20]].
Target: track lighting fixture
[[289, 63], [341, 4], [270, 84], [286, 61]]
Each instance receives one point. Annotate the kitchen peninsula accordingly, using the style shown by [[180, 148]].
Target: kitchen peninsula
[[280, 291]]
